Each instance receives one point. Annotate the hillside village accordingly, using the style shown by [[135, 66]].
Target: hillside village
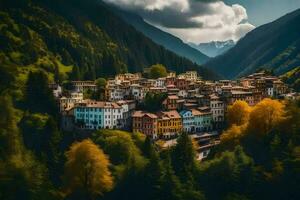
[[190, 104]]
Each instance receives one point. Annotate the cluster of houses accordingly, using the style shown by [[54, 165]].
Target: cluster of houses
[[192, 105]]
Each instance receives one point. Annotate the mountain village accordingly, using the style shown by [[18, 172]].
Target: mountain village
[[191, 105]]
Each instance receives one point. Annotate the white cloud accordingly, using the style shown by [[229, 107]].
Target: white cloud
[[192, 20]]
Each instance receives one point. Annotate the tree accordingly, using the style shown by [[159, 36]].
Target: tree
[[38, 95], [157, 71], [238, 113], [75, 74], [153, 101], [153, 176], [86, 170], [101, 86], [266, 115], [183, 158], [231, 137], [22, 176]]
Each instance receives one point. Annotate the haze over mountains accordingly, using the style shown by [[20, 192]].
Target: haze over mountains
[[214, 48], [274, 46]]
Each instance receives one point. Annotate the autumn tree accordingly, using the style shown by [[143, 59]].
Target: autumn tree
[[238, 113], [86, 170], [157, 71], [265, 116], [231, 137]]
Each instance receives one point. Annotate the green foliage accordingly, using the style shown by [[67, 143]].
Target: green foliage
[[38, 96], [230, 172], [153, 101], [157, 71], [183, 158], [293, 78]]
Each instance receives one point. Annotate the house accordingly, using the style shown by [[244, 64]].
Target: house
[[169, 124], [81, 86], [217, 108], [182, 83], [202, 121], [160, 82], [68, 102], [97, 115], [189, 75], [170, 103], [128, 108], [116, 92], [187, 121], [145, 123]]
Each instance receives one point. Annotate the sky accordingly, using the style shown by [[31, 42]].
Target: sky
[[201, 21]]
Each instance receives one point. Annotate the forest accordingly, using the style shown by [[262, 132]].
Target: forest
[[258, 158]]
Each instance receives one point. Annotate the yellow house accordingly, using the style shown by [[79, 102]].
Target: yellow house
[[169, 124]]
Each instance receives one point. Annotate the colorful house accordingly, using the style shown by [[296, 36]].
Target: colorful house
[[187, 121], [170, 103], [145, 123], [202, 121], [169, 124]]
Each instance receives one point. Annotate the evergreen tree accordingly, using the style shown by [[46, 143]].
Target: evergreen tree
[[75, 74], [38, 96], [183, 158]]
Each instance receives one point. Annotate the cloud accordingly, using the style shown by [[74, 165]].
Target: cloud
[[192, 20]]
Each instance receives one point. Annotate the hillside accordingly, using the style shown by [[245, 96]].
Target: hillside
[[274, 46], [214, 48], [77, 40], [167, 40], [293, 78]]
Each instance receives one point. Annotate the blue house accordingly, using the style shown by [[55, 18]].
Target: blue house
[[187, 121]]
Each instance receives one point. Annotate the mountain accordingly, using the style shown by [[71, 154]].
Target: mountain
[[214, 48], [167, 40], [274, 46], [77, 39], [293, 78]]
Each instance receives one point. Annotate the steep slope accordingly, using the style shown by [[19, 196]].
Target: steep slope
[[214, 48], [293, 78], [79, 39], [167, 40], [274, 46]]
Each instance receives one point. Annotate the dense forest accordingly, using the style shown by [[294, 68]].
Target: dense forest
[[78, 40], [258, 158]]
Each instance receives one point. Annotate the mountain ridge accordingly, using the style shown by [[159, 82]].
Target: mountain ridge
[[273, 46], [214, 48], [161, 37], [80, 40]]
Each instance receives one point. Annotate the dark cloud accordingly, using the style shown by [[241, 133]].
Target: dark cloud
[[184, 16]]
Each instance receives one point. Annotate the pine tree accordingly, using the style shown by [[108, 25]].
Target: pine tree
[[183, 158]]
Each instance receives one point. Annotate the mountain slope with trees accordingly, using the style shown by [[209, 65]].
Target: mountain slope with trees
[[79, 38], [167, 40], [274, 46]]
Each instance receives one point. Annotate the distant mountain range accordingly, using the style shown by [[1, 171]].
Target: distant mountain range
[[274, 46], [215, 48], [167, 40]]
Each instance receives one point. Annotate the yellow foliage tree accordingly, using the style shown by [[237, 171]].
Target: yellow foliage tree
[[265, 116], [232, 136], [86, 169], [238, 113]]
